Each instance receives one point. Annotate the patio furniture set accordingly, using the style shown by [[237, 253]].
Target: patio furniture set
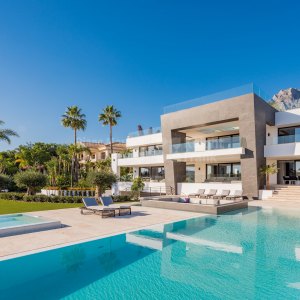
[[108, 209]]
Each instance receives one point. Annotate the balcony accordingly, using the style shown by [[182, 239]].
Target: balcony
[[224, 147], [149, 136], [283, 147], [145, 158]]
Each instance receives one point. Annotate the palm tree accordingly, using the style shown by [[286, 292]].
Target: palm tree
[[6, 133], [110, 116], [75, 119], [268, 170]]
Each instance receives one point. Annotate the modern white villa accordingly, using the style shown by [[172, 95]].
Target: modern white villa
[[220, 141]]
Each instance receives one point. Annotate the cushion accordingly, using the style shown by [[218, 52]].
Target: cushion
[[184, 200]]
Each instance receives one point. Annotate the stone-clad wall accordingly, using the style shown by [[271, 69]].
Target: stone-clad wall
[[252, 114]]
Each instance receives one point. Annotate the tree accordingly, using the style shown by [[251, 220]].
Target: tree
[[103, 164], [75, 119], [268, 170], [32, 180], [102, 180], [137, 187], [5, 134], [35, 155], [5, 181], [110, 116]]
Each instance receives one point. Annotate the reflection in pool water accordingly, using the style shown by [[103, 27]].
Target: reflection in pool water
[[250, 254]]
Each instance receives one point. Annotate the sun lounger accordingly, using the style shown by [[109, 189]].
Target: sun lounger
[[235, 195], [199, 193], [222, 194], [210, 193], [91, 204], [108, 202]]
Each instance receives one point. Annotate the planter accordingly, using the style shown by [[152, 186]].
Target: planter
[[265, 194]]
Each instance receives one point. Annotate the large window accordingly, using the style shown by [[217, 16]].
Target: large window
[[190, 173], [152, 173], [224, 171], [288, 135], [223, 142], [151, 150]]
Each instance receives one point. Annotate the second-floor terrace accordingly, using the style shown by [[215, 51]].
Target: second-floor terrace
[[208, 141], [145, 155], [141, 137], [283, 142]]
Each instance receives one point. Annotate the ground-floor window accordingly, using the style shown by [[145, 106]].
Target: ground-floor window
[[190, 173], [231, 171], [288, 170], [152, 173]]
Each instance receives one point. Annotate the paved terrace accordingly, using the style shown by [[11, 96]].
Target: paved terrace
[[80, 228]]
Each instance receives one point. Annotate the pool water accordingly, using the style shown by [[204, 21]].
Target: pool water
[[249, 254], [19, 220]]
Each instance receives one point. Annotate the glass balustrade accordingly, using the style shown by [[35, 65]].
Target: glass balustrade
[[142, 132], [209, 144], [151, 153]]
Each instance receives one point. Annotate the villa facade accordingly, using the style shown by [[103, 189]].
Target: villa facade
[[220, 142], [99, 151]]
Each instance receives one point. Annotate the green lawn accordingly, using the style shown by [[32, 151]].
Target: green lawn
[[10, 206]]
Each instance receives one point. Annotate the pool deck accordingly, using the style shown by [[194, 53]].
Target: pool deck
[[79, 228]]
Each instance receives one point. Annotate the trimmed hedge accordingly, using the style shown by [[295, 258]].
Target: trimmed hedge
[[53, 199], [40, 198], [12, 196], [122, 198]]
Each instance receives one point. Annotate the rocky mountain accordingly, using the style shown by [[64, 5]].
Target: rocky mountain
[[286, 99]]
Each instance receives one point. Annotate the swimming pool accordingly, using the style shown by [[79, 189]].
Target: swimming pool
[[23, 223], [250, 254]]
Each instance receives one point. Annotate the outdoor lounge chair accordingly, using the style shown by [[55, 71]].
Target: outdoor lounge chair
[[109, 203], [91, 204], [198, 194], [235, 195], [222, 194], [209, 193]]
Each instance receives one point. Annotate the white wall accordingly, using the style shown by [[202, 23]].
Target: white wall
[[144, 140], [282, 150], [189, 188], [287, 118], [155, 160], [126, 186], [273, 177], [271, 135]]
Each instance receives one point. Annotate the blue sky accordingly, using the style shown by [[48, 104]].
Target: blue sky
[[137, 55]]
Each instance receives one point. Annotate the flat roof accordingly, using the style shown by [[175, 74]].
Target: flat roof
[[249, 88]]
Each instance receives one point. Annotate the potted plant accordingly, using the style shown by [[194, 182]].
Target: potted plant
[[268, 170]]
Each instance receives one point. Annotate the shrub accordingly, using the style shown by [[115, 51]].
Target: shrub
[[5, 181], [31, 180], [122, 198], [12, 196], [53, 199], [63, 181], [137, 187]]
